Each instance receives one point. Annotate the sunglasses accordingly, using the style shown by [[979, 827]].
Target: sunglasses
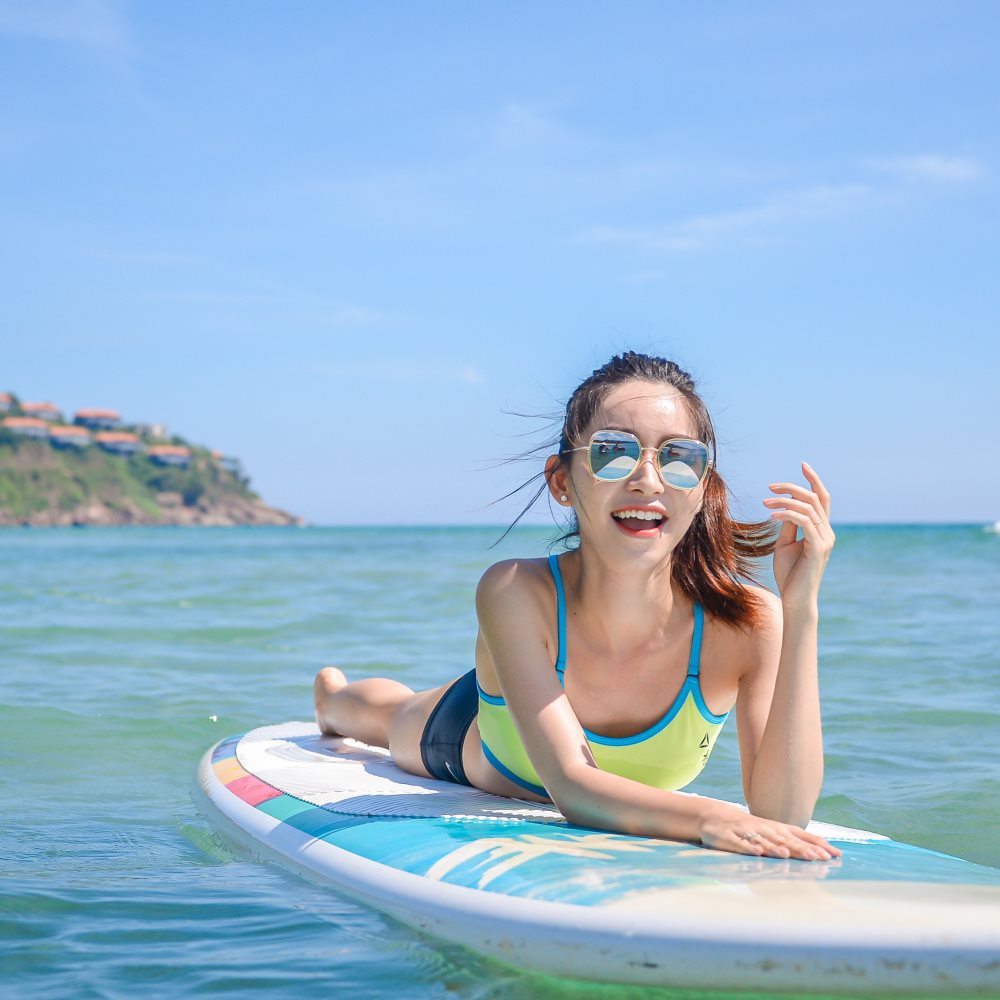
[[615, 455]]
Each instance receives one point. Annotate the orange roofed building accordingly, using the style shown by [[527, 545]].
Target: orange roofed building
[[170, 454], [118, 442], [69, 436], [44, 411], [26, 426], [98, 420], [31, 427], [6, 402]]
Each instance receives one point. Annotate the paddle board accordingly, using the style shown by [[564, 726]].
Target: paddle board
[[515, 881]]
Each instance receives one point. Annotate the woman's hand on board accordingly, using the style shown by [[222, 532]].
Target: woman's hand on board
[[799, 564], [726, 828]]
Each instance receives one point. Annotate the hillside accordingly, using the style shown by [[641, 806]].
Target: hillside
[[41, 484]]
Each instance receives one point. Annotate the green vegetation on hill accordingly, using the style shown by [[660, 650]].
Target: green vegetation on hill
[[36, 477]]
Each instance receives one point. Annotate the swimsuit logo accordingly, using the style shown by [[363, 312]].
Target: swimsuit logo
[[704, 745], [704, 741], [448, 768]]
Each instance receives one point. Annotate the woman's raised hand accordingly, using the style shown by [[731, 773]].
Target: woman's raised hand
[[726, 828], [799, 565]]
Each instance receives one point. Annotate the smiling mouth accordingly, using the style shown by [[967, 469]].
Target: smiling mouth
[[638, 521]]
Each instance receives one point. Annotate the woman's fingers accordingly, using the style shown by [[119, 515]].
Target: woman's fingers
[[811, 527], [818, 488], [817, 496], [802, 507], [800, 496], [774, 840], [787, 535]]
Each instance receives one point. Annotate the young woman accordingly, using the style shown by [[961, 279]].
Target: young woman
[[604, 675]]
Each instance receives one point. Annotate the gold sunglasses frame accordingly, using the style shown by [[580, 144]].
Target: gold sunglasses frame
[[709, 465]]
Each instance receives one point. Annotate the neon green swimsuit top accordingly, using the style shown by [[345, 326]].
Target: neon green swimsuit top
[[669, 754]]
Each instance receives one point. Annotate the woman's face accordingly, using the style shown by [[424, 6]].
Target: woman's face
[[639, 512]]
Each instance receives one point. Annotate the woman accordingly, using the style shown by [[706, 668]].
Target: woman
[[603, 676]]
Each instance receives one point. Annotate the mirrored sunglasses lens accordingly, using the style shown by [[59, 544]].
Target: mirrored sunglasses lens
[[683, 463], [613, 456]]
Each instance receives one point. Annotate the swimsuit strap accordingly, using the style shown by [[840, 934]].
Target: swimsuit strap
[[694, 661], [561, 601]]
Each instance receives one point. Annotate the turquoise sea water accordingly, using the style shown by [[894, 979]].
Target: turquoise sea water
[[127, 652]]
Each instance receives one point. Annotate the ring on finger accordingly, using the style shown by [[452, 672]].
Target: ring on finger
[[749, 836]]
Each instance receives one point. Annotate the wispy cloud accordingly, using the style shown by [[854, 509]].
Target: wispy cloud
[[754, 222], [771, 218], [95, 24], [402, 370], [931, 167]]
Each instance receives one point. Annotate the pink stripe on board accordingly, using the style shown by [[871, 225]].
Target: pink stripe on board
[[252, 790]]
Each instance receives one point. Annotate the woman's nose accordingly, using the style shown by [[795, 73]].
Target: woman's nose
[[646, 472]]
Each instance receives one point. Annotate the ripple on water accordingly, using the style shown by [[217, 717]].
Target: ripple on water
[[121, 646]]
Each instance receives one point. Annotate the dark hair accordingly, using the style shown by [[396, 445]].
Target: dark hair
[[712, 564]]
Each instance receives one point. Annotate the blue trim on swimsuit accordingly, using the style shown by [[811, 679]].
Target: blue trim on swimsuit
[[561, 615], [691, 686], [509, 774], [490, 699]]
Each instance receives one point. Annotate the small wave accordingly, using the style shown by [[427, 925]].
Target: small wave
[[993, 529]]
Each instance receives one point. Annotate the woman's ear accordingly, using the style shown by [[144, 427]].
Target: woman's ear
[[558, 481]]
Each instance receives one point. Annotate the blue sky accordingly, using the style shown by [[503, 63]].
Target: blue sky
[[319, 236]]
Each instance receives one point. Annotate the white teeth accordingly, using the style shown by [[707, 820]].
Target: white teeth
[[641, 515]]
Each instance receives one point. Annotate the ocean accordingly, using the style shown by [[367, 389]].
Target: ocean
[[127, 652]]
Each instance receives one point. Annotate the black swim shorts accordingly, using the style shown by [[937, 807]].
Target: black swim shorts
[[444, 734]]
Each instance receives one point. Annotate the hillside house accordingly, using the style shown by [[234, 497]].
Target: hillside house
[[42, 411], [170, 454], [118, 442], [29, 427], [97, 420], [152, 432], [69, 436], [6, 402]]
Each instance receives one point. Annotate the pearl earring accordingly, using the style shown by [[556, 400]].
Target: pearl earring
[[564, 498]]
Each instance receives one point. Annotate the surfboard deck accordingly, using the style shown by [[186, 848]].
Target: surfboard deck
[[515, 881]]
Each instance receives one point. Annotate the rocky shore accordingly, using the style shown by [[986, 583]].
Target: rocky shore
[[228, 512]]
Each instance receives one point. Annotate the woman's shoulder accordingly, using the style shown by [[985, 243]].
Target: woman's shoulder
[[515, 575], [516, 586], [747, 646], [766, 614]]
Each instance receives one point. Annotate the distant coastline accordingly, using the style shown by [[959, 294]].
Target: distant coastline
[[98, 470]]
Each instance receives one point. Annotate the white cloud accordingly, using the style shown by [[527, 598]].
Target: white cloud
[[931, 167], [96, 24], [753, 223]]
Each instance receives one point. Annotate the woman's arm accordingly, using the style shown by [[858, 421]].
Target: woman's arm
[[511, 601], [778, 714], [778, 720]]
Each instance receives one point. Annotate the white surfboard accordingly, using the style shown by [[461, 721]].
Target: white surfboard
[[515, 881]]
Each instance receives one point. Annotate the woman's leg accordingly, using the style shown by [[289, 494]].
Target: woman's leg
[[364, 710], [377, 711]]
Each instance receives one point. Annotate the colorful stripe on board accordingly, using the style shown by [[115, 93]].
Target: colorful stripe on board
[[311, 820], [561, 862]]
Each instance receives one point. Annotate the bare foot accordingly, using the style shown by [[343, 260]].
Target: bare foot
[[328, 681]]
